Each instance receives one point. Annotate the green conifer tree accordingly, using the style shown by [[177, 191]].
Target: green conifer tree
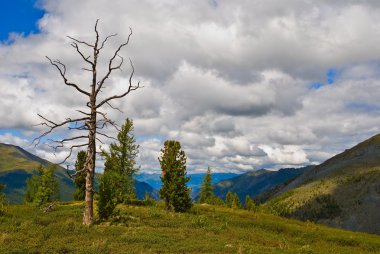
[[236, 201], [106, 195], [42, 188], [229, 199], [218, 201], [174, 190], [121, 160], [80, 176], [206, 195], [249, 204]]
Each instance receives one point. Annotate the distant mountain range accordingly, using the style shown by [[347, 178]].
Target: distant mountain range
[[194, 183], [256, 182], [17, 165], [342, 192]]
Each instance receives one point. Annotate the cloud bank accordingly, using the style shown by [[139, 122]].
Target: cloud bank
[[242, 84]]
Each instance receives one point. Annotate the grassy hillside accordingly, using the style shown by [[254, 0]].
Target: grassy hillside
[[256, 182], [17, 165], [139, 229], [14, 158], [342, 192]]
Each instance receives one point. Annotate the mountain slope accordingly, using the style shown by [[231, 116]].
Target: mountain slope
[[17, 165], [256, 182], [142, 188], [14, 158], [343, 192]]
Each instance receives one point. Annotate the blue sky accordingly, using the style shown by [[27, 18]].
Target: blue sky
[[19, 16], [241, 84]]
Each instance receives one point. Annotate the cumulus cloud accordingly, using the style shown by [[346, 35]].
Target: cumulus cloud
[[9, 138], [242, 84]]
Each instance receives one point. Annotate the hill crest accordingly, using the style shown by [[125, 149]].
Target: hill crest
[[343, 191]]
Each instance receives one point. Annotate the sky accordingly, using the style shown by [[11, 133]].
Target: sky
[[243, 85]]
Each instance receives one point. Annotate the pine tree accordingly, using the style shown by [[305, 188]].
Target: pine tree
[[174, 190], [106, 195], [206, 195], [229, 199], [217, 201], [236, 201], [80, 176], [249, 204], [42, 188], [121, 160]]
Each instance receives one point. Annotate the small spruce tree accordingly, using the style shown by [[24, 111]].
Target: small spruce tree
[[106, 195], [121, 160], [206, 195], [80, 176], [236, 201], [249, 204], [174, 190], [229, 199], [42, 188], [218, 201]]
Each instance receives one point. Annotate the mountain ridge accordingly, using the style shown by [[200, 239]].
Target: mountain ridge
[[343, 191], [256, 182]]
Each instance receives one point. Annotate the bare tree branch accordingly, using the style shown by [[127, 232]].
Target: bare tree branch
[[106, 120], [63, 72], [131, 88], [105, 135], [61, 142], [84, 113], [114, 107], [71, 151], [76, 171], [110, 67], [79, 128], [81, 42], [105, 40], [75, 45], [100, 141], [52, 125]]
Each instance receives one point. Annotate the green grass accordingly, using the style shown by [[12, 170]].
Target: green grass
[[11, 159], [139, 229]]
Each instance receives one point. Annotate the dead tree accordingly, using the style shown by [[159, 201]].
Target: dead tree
[[92, 120]]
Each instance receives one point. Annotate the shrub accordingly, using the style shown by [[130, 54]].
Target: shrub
[[106, 196], [42, 188], [249, 204], [329, 207]]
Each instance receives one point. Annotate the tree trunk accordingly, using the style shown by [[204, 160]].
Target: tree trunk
[[89, 195], [91, 153]]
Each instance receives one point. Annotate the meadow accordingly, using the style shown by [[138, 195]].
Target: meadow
[[152, 229]]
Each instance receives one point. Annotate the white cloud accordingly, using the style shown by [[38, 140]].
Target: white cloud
[[286, 155], [9, 138], [229, 79]]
